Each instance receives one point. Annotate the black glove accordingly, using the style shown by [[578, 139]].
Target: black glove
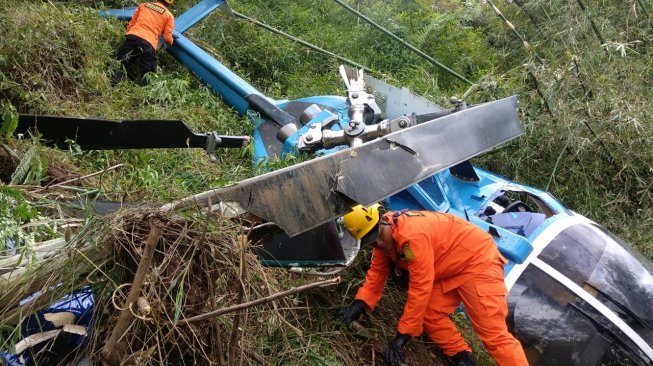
[[394, 354], [351, 312]]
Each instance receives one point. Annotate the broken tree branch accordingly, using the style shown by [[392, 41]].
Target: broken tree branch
[[82, 177], [111, 352], [260, 301], [233, 340]]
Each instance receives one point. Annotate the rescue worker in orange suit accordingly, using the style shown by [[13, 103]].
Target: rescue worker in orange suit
[[448, 261], [150, 20]]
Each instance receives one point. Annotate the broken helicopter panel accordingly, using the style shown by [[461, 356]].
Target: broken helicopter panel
[[578, 295]]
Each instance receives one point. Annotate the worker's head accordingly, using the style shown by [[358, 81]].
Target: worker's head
[[384, 241], [363, 223], [168, 2]]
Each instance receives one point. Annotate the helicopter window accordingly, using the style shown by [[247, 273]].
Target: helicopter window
[[556, 327], [516, 211], [608, 269]]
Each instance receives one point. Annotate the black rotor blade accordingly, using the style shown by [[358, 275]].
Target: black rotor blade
[[306, 195], [102, 134]]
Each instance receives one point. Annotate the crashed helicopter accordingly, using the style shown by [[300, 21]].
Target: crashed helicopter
[[578, 294]]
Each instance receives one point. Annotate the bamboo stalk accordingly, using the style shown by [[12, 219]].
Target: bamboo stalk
[[509, 24], [530, 73], [403, 43], [112, 353], [303, 43], [260, 301], [587, 92], [592, 23], [522, 6]]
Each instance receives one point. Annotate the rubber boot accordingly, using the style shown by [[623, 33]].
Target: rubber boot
[[463, 358]]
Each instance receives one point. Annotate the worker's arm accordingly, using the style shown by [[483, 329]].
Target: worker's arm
[[132, 22], [370, 292], [167, 31], [421, 275]]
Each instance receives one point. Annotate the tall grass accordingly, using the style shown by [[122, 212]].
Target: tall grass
[[58, 59]]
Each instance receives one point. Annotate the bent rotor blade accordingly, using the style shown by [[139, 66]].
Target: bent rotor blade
[[102, 134], [303, 196]]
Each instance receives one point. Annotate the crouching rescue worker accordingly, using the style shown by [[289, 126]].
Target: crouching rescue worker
[[448, 261], [138, 53]]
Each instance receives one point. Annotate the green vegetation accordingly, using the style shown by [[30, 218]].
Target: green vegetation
[[584, 85]]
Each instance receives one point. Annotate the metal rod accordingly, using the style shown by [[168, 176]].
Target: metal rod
[[406, 44], [311, 46]]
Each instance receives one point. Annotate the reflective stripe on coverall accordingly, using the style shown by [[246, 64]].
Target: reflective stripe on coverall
[[151, 20], [448, 260]]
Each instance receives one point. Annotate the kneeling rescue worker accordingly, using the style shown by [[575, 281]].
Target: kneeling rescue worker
[[150, 20], [449, 261]]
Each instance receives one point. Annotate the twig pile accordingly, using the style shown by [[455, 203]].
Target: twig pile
[[198, 266]]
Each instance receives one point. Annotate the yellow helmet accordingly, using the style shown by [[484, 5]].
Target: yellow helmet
[[362, 221], [169, 2]]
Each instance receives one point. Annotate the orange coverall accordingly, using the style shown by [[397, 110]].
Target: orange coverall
[[138, 53], [149, 21], [448, 260]]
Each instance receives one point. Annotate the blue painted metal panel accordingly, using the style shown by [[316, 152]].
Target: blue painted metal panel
[[514, 247], [260, 152], [338, 105], [435, 191], [219, 78], [195, 14], [423, 198]]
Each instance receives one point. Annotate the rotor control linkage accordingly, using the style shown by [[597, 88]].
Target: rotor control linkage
[[320, 136], [363, 113], [362, 109], [360, 102]]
